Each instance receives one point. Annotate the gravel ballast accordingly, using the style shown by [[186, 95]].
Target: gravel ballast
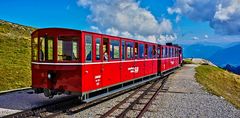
[[186, 98]]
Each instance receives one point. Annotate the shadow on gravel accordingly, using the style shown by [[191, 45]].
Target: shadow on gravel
[[26, 99]]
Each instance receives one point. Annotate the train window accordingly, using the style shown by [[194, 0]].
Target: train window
[[169, 52], [173, 52], [123, 50], [35, 49], [141, 51], [150, 54], [154, 51], [98, 43], [114, 49], [158, 52], [105, 49], [68, 48], [46, 49], [50, 49], [88, 48], [166, 52], [136, 50], [177, 51], [146, 51], [42, 49], [163, 52], [129, 50]]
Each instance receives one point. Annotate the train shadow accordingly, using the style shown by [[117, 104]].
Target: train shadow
[[26, 99]]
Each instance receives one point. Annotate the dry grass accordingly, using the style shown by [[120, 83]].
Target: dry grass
[[15, 56], [220, 82]]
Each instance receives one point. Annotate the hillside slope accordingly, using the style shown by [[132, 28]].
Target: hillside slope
[[220, 82], [15, 45]]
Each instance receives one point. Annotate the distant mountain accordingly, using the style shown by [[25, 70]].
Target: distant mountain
[[227, 56], [15, 55], [233, 69], [200, 51]]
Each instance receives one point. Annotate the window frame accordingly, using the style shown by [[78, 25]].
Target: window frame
[[78, 48], [95, 37], [123, 41], [88, 61], [129, 41], [139, 55], [119, 51], [32, 49], [150, 46]]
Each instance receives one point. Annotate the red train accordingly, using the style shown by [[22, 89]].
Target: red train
[[86, 63]]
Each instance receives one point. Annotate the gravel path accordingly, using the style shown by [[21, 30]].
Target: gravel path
[[21, 100], [186, 98]]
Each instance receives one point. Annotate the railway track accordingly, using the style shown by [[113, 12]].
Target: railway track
[[147, 93], [73, 105]]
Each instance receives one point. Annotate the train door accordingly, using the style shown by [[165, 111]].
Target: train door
[[123, 58], [111, 58], [114, 65], [155, 64], [128, 69], [140, 63], [87, 79], [159, 58], [97, 58]]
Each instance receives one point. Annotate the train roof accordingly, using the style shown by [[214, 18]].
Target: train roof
[[76, 31]]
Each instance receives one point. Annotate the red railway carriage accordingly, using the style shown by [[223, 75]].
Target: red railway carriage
[[73, 61]]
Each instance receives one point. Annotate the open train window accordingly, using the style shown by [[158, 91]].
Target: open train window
[[141, 51], [35, 49], [146, 51], [129, 50], [136, 50], [154, 51], [46, 48], [68, 48], [105, 49], [114, 49], [123, 49]]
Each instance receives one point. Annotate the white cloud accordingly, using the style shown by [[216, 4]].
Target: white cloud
[[125, 18], [223, 15], [195, 38], [95, 29], [205, 36]]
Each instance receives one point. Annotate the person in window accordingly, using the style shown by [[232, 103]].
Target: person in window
[[41, 54], [105, 56], [89, 55]]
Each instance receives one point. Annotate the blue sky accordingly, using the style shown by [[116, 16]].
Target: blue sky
[[181, 21]]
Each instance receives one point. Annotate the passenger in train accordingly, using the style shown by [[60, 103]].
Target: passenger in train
[[105, 56]]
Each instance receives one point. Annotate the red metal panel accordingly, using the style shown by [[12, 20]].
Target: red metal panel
[[127, 70], [110, 74], [66, 77], [155, 66], [148, 66], [139, 68]]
